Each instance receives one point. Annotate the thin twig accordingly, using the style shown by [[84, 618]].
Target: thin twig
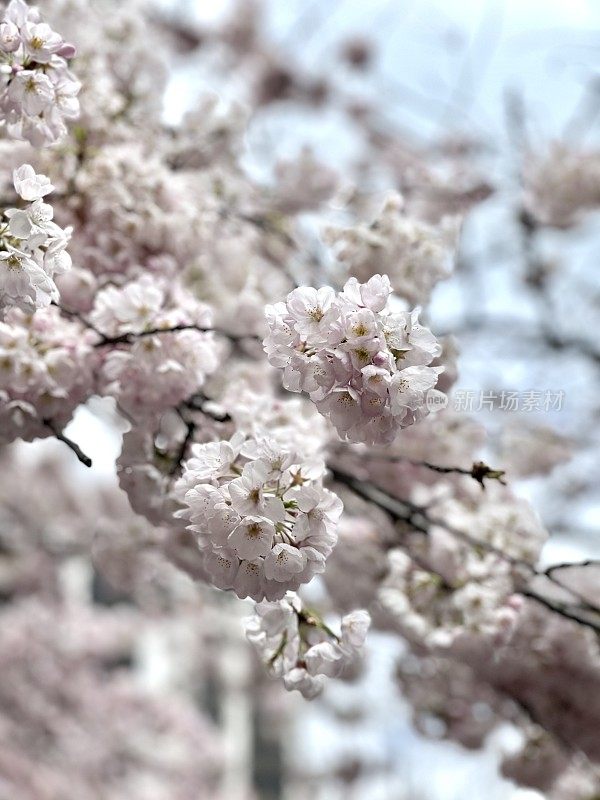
[[199, 401], [85, 460], [398, 510], [589, 562], [67, 312], [479, 471], [189, 435], [130, 338], [560, 610], [583, 600]]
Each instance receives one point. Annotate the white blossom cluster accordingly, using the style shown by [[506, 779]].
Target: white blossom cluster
[[466, 573], [160, 367], [431, 610], [37, 90], [139, 217], [415, 254], [33, 247], [296, 644], [290, 420], [46, 371], [144, 475], [260, 513], [363, 365]]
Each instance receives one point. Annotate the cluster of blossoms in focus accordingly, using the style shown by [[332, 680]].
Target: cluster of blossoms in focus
[[296, 644], [260, 513], [37, 90], [363, 365], [33, 247]]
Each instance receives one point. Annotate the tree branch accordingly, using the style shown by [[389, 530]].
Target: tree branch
[[398, 510], [189, 435], [561, 610], [85, 460], [130, 338], [479, 471], [417, 516], [78, 316], [198, 402]]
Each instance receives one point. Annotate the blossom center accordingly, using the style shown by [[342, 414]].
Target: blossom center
[[254, 530], [14, 262], [254, 495], [363, 354]]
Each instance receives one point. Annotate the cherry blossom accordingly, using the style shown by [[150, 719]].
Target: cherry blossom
[[168, 363], [298, 646], [363, 365], [262, 518], [37, 90], [415, 254], [33, 247], [245, 326], [46, 372]]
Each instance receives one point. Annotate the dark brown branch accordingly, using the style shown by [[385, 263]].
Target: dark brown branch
[[196, 402], [183, 448], [549, 574], [399, 510], [479, 471], [589, 562], [199, 401], [418, 516], [85, 460], [130, 338], [78, 316], [560, 609]]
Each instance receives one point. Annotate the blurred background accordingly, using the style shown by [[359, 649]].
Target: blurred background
[[487, 79]]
